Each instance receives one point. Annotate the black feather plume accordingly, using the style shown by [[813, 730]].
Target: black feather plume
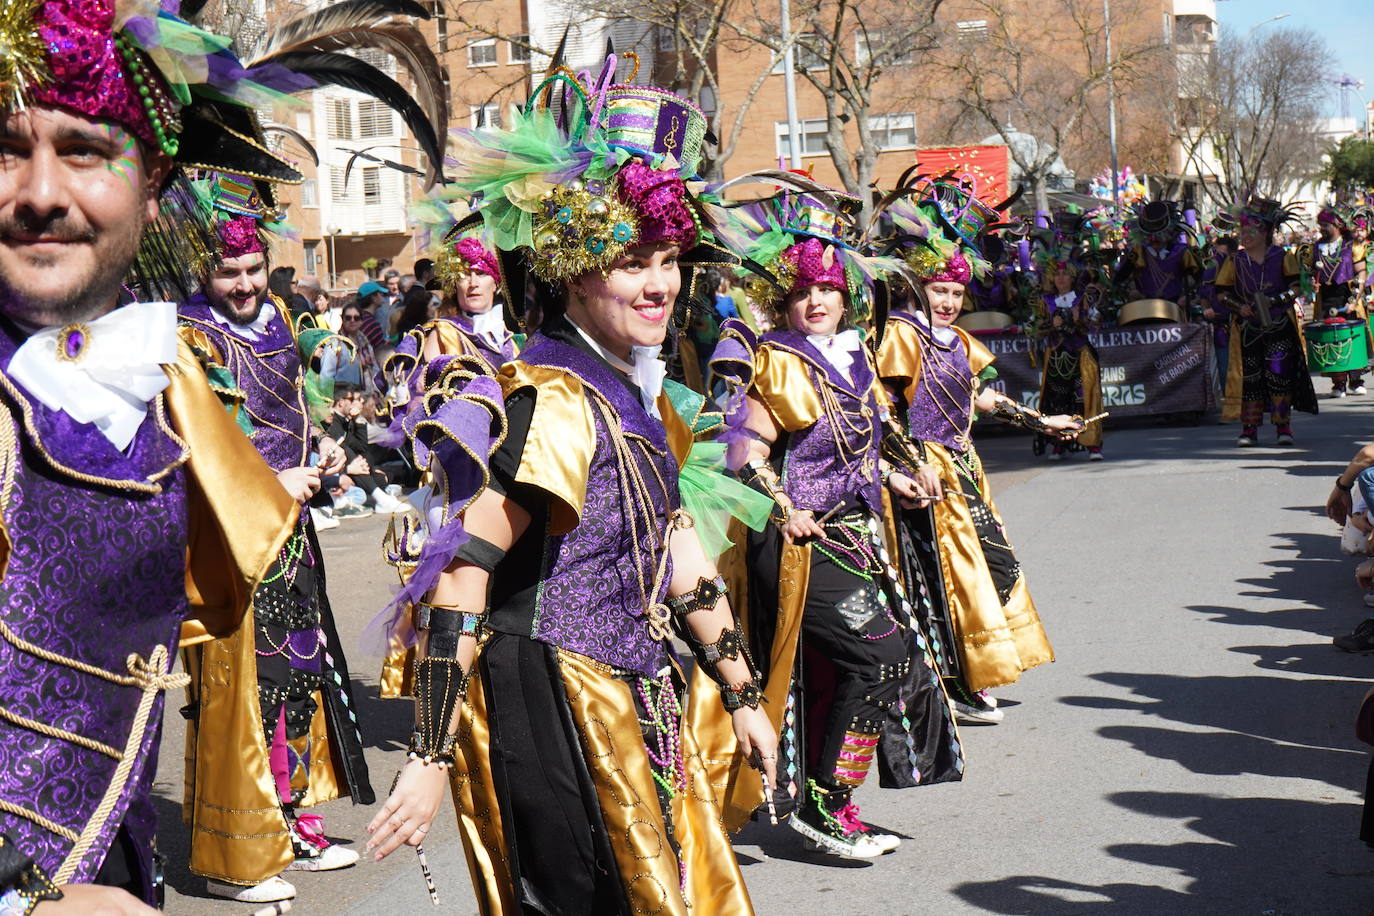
[[352, 73]]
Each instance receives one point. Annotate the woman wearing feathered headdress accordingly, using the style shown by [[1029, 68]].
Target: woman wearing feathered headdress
[[1259, 286], [940, 376], [559, 536], [825, 594]]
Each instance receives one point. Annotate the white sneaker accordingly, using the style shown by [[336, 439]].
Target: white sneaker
[[329, 859], [974, 714], [1338, 393], [277, 888], [323, 520], [386, 504], [1360, 389]]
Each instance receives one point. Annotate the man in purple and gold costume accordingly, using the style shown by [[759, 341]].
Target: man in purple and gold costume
[[128, 498], [1332, 264], [1162, 264], [276, 728]]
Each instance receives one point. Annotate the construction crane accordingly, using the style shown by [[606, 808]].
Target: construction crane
[[1347, 86]]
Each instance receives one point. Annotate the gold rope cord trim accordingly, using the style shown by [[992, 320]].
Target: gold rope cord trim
[[52, 827], [152, 677], [59, 733], [95, 671]]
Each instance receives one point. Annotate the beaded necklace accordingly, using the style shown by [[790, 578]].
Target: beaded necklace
[[936, 355], [850, 543]]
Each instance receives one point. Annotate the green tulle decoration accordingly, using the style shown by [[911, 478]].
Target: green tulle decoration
[[510, 171], [713, 497]]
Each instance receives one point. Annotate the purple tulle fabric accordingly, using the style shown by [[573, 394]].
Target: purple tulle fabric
[[659, 198], [453, 441], [733, 361], [808, 257]]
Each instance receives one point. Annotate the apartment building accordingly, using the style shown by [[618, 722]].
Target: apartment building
[[493, 52]]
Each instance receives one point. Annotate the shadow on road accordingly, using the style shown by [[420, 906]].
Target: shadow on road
[[1252, 855]]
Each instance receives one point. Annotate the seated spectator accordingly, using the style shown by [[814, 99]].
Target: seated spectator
[[356, 367], [1339, 507], [348, 427]]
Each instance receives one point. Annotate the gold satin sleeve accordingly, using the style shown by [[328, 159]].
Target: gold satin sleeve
[[1226, 274], [239, 514], [783, 384], [561, 440], [452, 342], [1292, 267], [680, 435], [979, 356], [899, 358]]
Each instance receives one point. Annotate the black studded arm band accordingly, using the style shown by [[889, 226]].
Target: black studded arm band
[[440, 681]]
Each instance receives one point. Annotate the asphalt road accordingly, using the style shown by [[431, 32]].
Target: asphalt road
[[1191, 751]]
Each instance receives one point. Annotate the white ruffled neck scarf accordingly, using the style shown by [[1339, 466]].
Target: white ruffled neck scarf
[[646, 372]]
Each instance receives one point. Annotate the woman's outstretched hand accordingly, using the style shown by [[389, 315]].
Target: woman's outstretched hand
[[409, 810]]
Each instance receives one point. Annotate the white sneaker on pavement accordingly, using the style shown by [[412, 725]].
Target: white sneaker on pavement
[[386, 504], [329, 859], [323, 520], [1360, 389], [277, 888]]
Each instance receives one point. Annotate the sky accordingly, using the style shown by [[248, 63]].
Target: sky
[[1346, 25]]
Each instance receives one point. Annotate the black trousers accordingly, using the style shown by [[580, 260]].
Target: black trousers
[[560, 857]]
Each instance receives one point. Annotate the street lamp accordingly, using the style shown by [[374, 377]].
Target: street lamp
[[1252, 28], [1111, 107], [333, 232]]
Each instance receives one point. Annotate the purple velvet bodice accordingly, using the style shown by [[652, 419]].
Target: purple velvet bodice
[[96, 573], [590, 601], [1266, 277], [495, 358], [817, 472], [942, 409], [270, 373], [1333, 271], [1161, 277]]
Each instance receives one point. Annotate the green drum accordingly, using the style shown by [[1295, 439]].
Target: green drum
[[1336, 347]]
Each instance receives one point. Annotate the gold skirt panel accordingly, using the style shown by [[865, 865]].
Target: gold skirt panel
[[996, 643], [238, 832], [603, 712]]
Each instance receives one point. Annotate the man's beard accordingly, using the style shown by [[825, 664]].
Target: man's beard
[[92, 295], [227, 307]]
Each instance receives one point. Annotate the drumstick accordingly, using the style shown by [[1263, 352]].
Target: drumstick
[[420, 854], [768, 793], [429, 878], [1102, 416]]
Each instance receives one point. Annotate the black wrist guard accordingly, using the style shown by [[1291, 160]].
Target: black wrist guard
[[702, 598], [440, 681], [759, 475], [23, 885], [901, 451], [1008, 411], [739, 696]]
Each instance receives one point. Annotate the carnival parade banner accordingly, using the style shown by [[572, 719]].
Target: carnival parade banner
[[1147, 369]]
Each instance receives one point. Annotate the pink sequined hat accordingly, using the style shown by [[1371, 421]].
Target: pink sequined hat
[[461, 257], [956, 269], [814, 263], [92, 70]]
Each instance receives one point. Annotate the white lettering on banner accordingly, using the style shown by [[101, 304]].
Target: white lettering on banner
[[1002, 346], [1123, 395], [1132, 337], [1112, 374]]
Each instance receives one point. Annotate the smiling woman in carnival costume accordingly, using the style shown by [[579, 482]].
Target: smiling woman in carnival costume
[[849, 675], [939, 373], [560, 559]]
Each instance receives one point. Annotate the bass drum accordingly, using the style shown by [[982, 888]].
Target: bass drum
[[1150, 310]]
